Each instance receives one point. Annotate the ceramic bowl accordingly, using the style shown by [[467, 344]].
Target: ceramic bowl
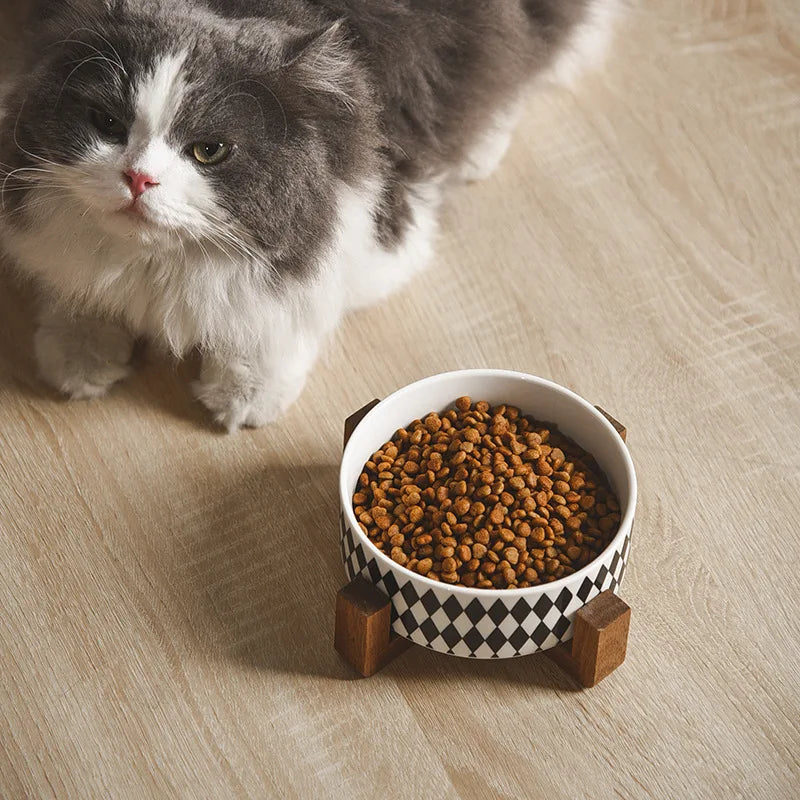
[[487, 623]]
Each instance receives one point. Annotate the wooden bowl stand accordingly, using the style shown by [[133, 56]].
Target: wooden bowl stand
[[364, 637]]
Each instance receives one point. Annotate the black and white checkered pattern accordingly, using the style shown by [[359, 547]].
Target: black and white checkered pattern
[[473, 622]]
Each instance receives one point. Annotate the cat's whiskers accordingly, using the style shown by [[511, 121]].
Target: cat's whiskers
[[31, 180], [221, 247], [228, 226], [41, 201], [70, 40], [220, 228], [101, 242], [199, 243], [179, 240], [220, 233], [37, 186], [20, 169], [81, 63], [257, 262], [221, 240], [219, 237]]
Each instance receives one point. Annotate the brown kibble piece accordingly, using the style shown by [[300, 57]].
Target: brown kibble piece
[[499, 425], [573, 523], [398, 555], [498, 514], [424, 566], [433, 423], [449, 564], [543, 467], [482, 536], [461, 506], [479, 550]]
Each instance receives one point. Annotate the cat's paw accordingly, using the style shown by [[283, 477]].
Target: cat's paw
[[489, 148], [233, 409], [237, 401], [83, 357]]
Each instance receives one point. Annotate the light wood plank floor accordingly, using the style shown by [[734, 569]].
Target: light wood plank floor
[[166, 591]]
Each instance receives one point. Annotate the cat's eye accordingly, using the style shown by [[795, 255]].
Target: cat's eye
[[210, 153], [107, 124]]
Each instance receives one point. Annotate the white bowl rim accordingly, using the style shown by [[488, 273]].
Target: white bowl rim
[[625, 523]]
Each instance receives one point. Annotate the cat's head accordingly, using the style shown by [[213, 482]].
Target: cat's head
[[165, 123]]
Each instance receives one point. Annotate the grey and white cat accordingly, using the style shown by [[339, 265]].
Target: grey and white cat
[[234, 175]]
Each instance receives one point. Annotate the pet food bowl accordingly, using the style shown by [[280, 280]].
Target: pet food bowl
[[487, 623]]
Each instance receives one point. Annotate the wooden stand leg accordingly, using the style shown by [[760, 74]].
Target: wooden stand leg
[[352, 421], [363, 635], [618, 426], [600, 641]]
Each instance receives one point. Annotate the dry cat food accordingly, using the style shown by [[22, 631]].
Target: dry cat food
[[486, 497]]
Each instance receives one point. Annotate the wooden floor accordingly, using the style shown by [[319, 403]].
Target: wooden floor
[[166, 591]]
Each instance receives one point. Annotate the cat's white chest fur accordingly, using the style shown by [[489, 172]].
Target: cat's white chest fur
[[186, 296]]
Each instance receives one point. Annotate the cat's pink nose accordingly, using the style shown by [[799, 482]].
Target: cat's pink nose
[[139, 182]]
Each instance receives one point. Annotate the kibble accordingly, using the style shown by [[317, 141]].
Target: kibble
[[487, 497]]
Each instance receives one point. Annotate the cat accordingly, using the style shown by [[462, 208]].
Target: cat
[[235, 175]]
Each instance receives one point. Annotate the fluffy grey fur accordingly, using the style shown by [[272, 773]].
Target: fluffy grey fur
[[345, 118]]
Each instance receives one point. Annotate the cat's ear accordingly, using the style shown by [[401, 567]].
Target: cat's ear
[[311, 43], [324, 63]]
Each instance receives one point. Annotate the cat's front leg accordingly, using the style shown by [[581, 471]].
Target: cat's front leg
[[248, 390], [81, 355]]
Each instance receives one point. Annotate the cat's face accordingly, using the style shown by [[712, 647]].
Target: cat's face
[[172, 129], [135, 156]]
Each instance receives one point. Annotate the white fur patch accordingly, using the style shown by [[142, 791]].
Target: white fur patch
[[588, 44], [181, 295], [490, 146], [371, 272], [160, 94]]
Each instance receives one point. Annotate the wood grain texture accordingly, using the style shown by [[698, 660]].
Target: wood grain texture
[[166, 591]]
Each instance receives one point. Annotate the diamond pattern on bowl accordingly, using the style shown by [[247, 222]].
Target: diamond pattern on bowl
[[467, 624]]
